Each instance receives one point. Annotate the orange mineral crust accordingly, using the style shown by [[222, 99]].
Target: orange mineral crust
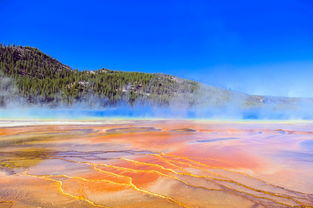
[[157, 164]]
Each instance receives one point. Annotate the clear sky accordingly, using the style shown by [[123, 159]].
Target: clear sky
[[255, 46]]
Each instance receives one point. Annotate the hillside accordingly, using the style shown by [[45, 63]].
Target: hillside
[[42, 79], [29, 74]]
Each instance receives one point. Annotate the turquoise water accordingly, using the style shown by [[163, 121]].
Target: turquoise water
[[149, 112]]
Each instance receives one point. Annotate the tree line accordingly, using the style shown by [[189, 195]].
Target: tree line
[[40, 78]]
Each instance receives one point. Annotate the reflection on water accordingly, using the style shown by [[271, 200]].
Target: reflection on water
[[217, 139], [308, 144], [157, 164]]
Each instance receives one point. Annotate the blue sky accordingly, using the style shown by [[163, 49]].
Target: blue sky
[[259, 47]]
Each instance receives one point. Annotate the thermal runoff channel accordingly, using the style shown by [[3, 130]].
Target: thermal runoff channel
[[156, 163]]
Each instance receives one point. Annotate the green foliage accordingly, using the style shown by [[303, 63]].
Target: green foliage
[[40, 78]]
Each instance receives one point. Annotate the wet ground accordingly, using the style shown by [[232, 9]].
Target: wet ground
[[156, 164]]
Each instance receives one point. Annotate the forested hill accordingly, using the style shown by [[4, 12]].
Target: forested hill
[[40, 78], [28, 74]]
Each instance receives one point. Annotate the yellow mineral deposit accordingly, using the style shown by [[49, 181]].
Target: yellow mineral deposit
[[157, 164]]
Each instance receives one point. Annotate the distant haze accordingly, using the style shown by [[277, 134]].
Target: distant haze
[[289, 79]]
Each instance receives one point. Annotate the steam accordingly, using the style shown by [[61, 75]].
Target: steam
[[205, 103]]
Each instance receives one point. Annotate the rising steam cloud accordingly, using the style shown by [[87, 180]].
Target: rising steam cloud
[[206, 103]]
